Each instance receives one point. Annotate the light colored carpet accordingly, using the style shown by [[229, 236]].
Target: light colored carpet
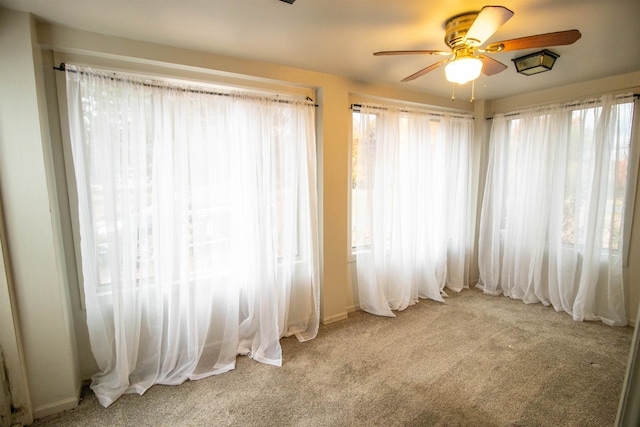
[[474, 361]]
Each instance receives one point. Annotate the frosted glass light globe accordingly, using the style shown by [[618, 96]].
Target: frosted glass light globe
[[463, 70]]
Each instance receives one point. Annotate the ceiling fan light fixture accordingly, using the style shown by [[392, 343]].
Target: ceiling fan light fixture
[[535, 63], [463, 70]]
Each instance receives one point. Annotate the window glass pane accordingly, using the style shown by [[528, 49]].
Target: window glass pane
[[582, 155], [363, 150]]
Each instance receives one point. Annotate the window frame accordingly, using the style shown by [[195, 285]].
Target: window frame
[[355, 108], [633, 165]]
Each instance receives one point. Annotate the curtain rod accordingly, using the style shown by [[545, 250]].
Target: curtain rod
[[572, 104], [63, 67], [356, 107]]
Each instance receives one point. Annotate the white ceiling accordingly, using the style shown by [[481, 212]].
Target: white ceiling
[[339, 36]]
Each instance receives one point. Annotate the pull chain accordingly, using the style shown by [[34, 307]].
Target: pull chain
[[453, 92], [473, 90]]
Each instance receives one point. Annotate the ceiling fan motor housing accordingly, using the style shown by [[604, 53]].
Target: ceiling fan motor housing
[[456, 29]]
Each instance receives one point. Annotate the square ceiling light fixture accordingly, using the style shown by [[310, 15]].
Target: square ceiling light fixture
[[535, 63]]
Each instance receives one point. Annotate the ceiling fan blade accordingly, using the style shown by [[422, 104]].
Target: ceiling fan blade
[[490, 66], [488, 21], [560, 38], [424, 71], [412, 52]]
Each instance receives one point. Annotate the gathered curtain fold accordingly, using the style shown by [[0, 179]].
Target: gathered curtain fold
[[551, 226], [198, 227], [411, 202]]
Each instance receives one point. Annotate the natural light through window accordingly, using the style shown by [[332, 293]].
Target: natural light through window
[[580, 156]]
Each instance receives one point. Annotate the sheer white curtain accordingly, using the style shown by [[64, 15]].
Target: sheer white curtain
[[551, 227], [410, 201], [198, 227]]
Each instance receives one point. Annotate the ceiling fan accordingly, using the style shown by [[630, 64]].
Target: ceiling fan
[[467, 32]]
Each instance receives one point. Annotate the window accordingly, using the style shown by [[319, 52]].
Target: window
[[579, 173], [363, 140]]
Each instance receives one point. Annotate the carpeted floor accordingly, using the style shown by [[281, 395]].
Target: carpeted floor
[[474, 361]]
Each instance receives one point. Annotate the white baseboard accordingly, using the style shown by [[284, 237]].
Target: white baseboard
[[353, 308], [335, 318], [55, 407]]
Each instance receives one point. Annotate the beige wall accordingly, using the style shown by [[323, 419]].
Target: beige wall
[[14, 389], [46, 305], [35, 258]]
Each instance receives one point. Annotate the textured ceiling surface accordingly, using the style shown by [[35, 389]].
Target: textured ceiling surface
[[340, 36]]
